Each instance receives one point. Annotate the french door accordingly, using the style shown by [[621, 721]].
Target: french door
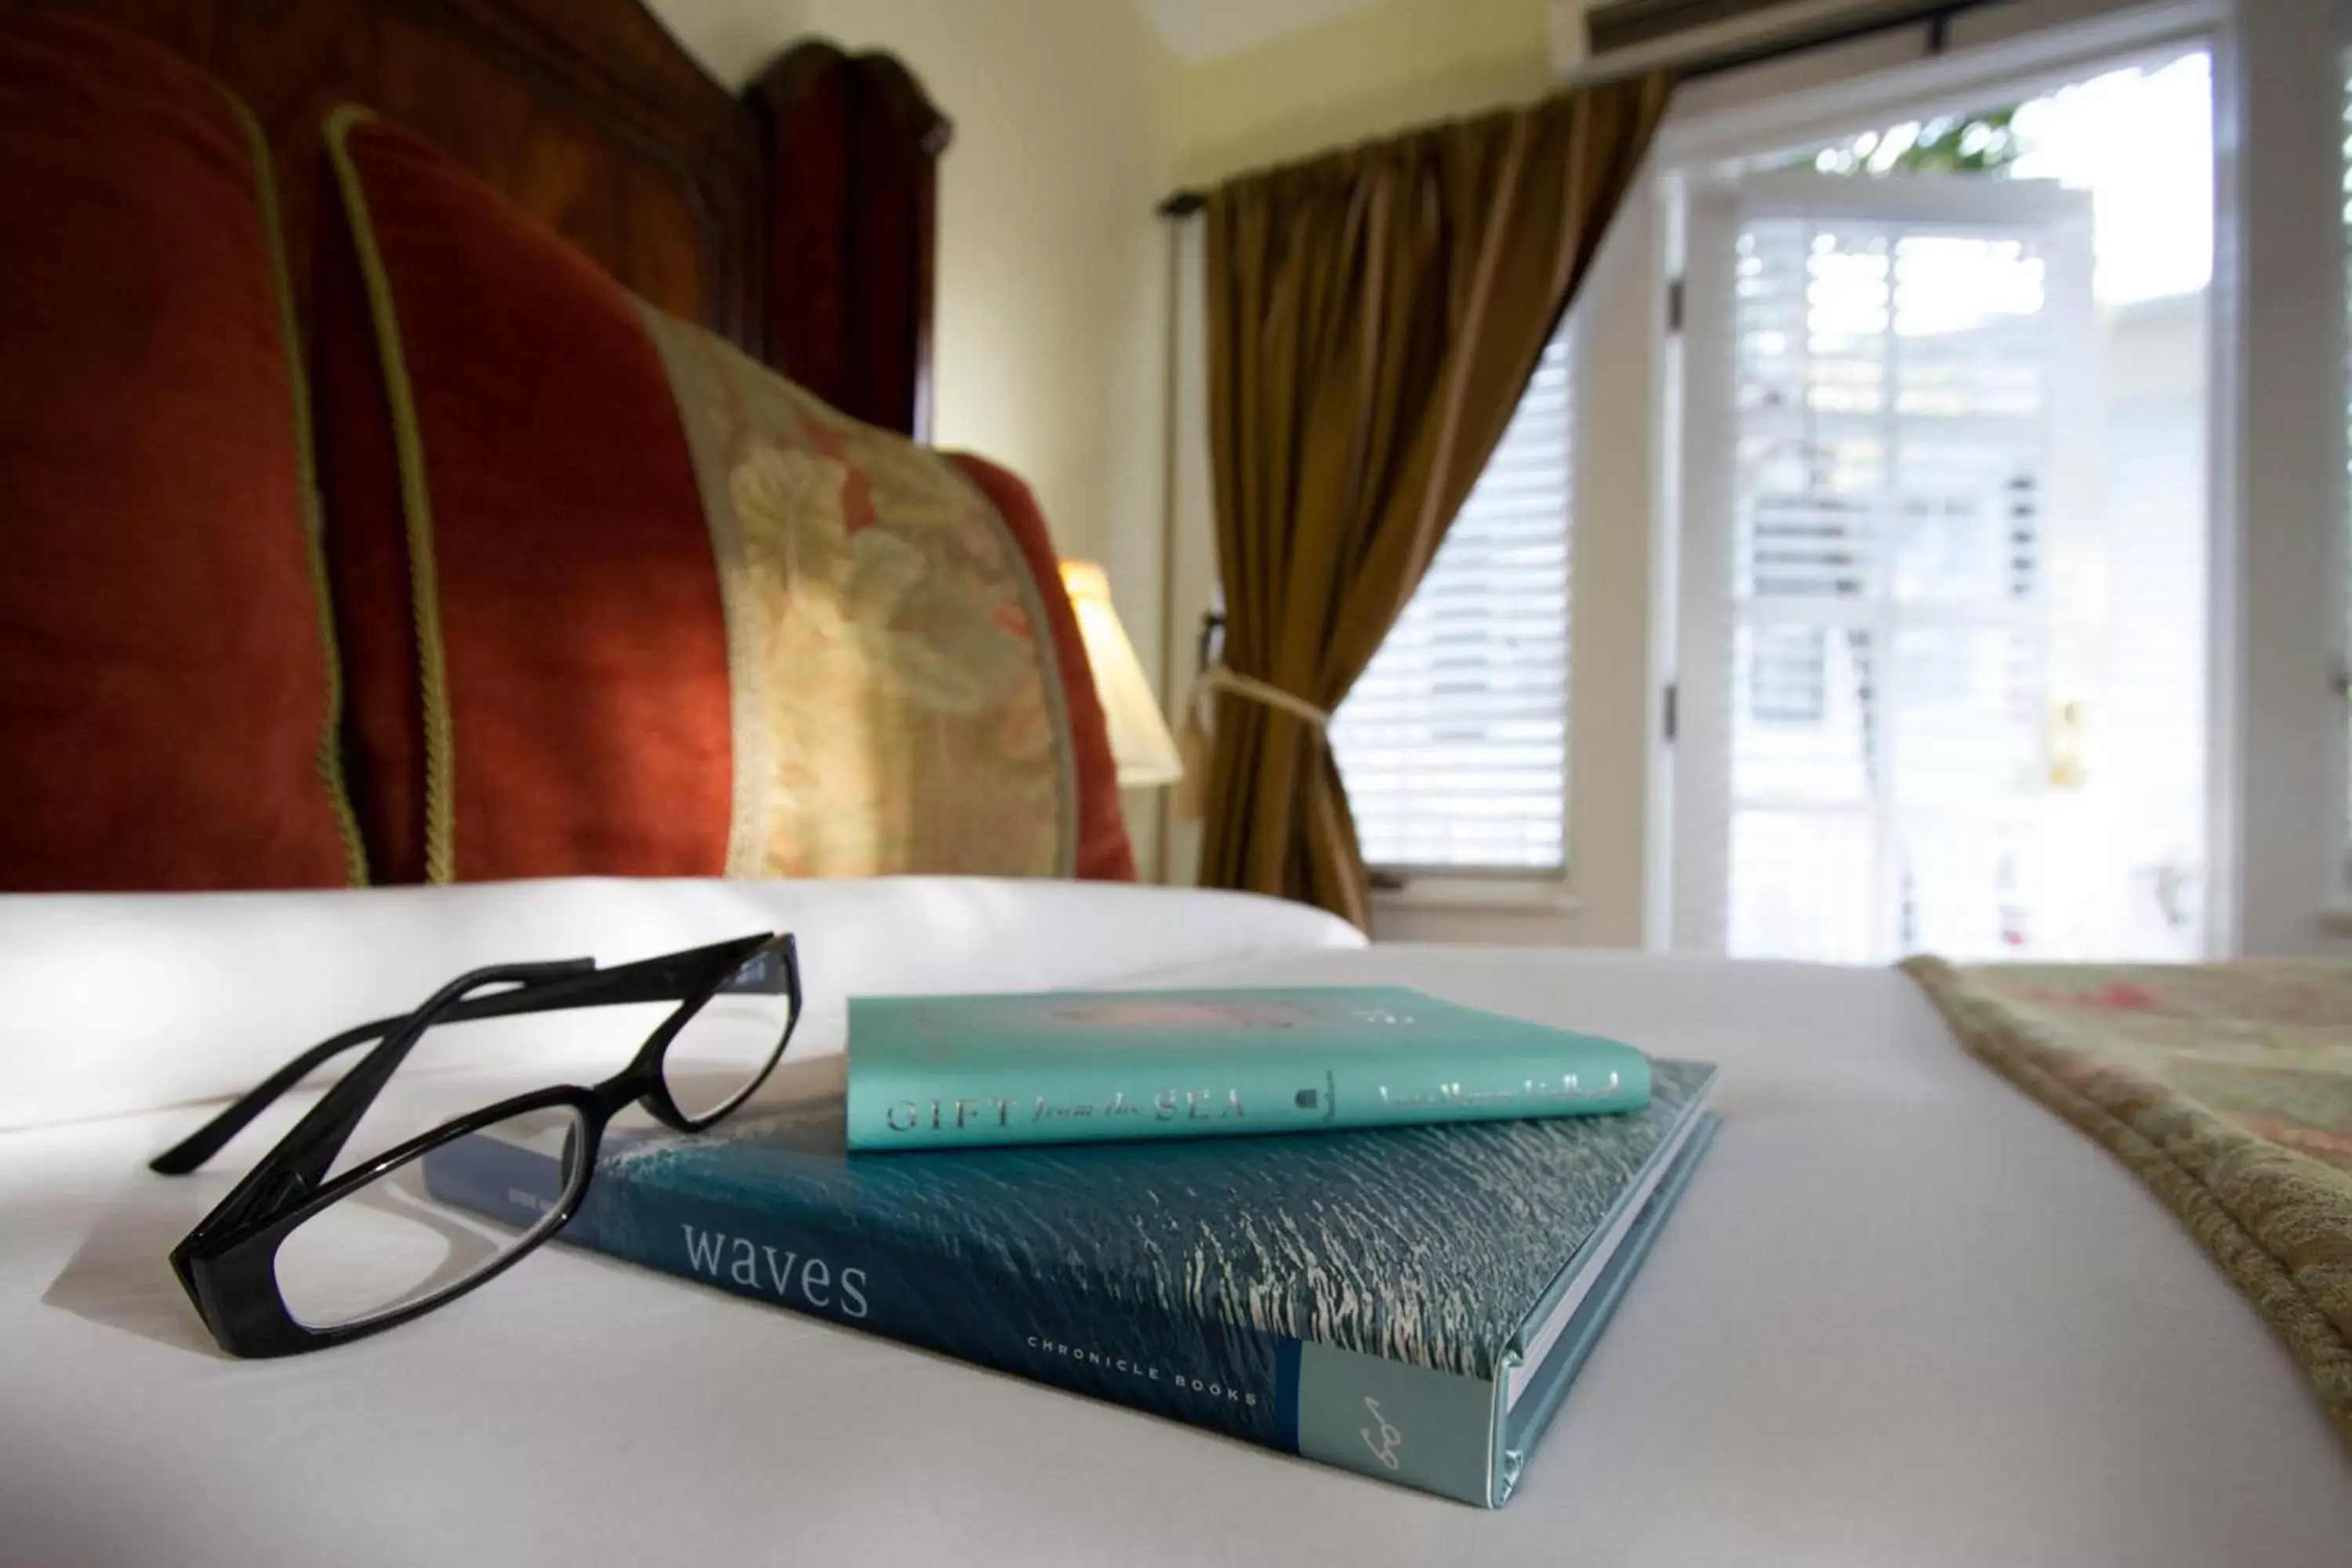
[[1888, 475]]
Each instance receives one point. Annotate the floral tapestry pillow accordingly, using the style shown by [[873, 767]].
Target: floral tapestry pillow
[[896, 704]]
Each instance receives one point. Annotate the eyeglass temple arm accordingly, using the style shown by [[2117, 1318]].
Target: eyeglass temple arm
[[538, 988], [306, 1154], [201, 1145]]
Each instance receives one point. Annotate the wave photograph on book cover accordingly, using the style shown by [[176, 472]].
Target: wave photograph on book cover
[[1180, 1278]]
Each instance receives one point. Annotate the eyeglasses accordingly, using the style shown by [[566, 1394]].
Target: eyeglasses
[[295, 1259]]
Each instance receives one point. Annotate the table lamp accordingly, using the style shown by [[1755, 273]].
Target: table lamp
[[1139, 742]]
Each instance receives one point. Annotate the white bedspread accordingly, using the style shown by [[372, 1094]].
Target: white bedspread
[[1904, 1316]]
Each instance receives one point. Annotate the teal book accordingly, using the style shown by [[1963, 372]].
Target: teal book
[[1410, 1304], [928, 1072]]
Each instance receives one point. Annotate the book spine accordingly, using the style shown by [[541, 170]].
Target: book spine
[[1125, 1098], [1073, 1333]]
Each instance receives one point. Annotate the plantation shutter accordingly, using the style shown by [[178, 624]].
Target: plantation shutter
[[1881, 715]]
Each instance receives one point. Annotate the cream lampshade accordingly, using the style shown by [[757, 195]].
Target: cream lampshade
[[1139, 740]]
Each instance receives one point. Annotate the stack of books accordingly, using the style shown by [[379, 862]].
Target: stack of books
[[1403, 1281]]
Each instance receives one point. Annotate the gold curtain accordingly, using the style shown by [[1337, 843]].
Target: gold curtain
[[1374, 315]]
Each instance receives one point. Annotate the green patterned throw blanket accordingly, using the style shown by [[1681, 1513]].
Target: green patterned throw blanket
[[2227, 1088]]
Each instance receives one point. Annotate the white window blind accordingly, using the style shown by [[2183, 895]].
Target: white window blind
[[1454, 744]]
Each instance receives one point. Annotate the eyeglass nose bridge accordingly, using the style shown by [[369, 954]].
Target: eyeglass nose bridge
[[464, 987]]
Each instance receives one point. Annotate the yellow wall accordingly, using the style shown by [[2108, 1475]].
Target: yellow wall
[[1046, 344], [1389, 67], [733, 38]]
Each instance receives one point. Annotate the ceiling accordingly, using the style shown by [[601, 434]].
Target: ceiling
[[1209, 29]]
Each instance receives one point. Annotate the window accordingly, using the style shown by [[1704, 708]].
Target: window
[[1943, 663], [1455, 742], [1788, 675], [1887, 555]]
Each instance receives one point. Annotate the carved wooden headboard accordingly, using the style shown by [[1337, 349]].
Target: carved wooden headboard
[[796, 220]]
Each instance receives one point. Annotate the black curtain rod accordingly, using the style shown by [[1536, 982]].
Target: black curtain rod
[[1185, 202]]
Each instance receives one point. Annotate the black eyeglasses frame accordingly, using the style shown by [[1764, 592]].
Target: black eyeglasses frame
[[227, 1264]]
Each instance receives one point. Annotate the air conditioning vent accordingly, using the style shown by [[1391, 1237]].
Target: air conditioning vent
[[1616, 36]]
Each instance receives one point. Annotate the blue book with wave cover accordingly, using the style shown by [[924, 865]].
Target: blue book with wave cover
[[1052, 1067], [1410, 1304]]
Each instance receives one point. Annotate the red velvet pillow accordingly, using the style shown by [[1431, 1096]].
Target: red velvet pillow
[[529, 617], [166, 687], [562, 660]]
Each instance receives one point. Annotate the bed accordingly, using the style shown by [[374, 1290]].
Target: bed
[[1904, 1315]]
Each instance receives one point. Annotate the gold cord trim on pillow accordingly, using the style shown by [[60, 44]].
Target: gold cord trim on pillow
[[417, 507], [329, 760]]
